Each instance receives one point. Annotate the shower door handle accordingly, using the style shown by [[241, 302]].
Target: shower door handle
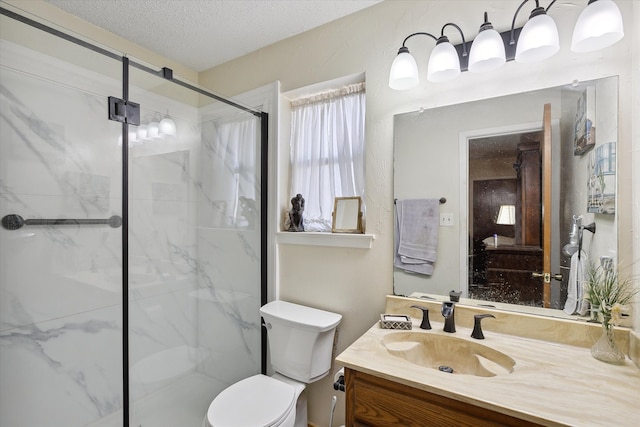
[[14, 222]]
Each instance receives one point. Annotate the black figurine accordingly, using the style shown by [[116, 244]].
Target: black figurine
[[295, 215]]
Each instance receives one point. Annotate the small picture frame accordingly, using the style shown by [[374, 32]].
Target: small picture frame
[[601, 187], [347, 215]]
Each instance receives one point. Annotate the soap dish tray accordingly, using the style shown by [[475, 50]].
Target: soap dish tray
[[395, 321]]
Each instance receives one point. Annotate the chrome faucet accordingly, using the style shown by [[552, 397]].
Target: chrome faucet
[[447, 312]]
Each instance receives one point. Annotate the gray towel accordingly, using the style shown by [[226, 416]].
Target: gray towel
[[416, 237]]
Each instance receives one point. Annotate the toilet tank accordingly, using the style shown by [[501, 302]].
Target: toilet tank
[[300, 339]]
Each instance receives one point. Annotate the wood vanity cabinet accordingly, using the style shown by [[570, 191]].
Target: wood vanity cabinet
[[375, 402]]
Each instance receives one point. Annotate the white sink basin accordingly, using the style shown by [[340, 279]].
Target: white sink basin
[[448, 354]]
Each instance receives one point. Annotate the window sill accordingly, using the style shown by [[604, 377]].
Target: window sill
[[361, 241]]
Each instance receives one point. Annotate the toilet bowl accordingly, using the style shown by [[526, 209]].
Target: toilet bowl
[[300, 345], [257, 401]]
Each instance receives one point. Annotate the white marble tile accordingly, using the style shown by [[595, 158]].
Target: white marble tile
[[229, 329], [63, 372], [229, 260]]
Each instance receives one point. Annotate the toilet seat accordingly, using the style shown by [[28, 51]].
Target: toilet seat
[[258, 401]]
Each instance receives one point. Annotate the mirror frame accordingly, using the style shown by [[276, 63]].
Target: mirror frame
[[336, 214]]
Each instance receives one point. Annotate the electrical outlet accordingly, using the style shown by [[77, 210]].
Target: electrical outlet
[[446, 219]]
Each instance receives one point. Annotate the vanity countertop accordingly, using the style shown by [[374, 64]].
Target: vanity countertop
[[551, 384]]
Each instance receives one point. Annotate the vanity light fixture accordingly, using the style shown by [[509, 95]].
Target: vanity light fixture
[[599, 25]]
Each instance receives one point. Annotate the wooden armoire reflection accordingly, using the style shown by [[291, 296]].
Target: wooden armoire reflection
[[509, 266]]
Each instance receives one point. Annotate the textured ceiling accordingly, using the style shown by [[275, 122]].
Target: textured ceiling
[[204, 33]]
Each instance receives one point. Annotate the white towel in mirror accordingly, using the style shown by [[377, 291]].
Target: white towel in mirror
[[575, 303]]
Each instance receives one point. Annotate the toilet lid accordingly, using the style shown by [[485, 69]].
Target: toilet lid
[[257, 401]]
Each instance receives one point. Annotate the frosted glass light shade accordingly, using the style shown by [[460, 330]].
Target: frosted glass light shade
[[538, 39], [153, 130], [142, 132], [167, 127], [487, 52], [404, 71], [444, 63], [598, 26], [133, 136]]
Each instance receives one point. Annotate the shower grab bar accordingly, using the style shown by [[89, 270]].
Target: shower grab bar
[[14, 222]]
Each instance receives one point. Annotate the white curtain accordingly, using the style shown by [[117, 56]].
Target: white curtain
[[327, 151]]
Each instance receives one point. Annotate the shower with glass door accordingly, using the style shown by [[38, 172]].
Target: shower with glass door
[[132, 245]]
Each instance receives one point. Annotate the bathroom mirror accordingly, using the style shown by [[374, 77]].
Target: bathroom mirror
[[473, 154], [347, 217]]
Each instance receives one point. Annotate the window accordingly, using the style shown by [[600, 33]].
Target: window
[[327, 151]]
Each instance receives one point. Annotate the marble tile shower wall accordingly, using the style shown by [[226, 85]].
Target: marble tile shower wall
[[228, 243], [60, 353], [194, 287]]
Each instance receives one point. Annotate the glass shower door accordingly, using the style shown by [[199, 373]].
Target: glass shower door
[[194, 251], [60, 282]]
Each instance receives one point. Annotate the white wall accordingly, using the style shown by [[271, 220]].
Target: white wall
[[353, 282]]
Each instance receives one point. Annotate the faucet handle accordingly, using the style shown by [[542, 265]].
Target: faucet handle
[[425, 316], [477, 328]]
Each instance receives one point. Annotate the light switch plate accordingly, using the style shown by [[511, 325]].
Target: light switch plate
[[446, 219]]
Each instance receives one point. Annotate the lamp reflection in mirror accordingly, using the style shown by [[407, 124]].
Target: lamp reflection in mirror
[[487, 50], [133, 139], [167, 127], [598, 26], [142, 132], [506, 215], [153, 130]]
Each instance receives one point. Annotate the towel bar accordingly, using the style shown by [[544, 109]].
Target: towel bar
[[14, 222], [442, 201]]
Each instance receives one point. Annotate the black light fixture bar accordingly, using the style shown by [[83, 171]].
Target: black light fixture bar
[[509, 48]]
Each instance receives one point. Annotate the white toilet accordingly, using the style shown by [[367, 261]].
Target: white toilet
[[300, 346]]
